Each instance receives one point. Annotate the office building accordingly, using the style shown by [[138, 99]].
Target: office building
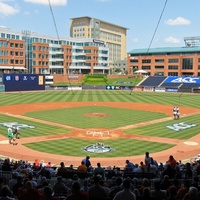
[[30, 52], [114, 35], [170, 61]]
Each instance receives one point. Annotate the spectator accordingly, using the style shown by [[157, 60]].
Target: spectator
[[60, 186], [104, 185], [172, 193], [62, 169], [47, 194], [157, 193], [82, 167], [142, 166], [19, 185], [49, 165], [145, 183], [116, 188], [137, 169], [146, 194], [30, 193], [76, 193], [188, 171], [129, 166], [6, 193], [99, 170], [165, 183], [13, 180], [169, 170], [87, 162], [182, 191], [97, 192], [126, 193], [172, 161], [147, 159]]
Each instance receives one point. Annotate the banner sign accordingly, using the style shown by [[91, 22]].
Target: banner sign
[[179, 79], [109, 87], [171, 90], [148, 89], [23, 82], [124, 83], [159, 89]]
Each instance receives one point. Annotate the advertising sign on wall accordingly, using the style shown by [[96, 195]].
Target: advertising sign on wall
[[183, 79], [23, 82]]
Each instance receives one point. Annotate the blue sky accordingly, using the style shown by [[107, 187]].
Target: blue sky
[[181, 18]]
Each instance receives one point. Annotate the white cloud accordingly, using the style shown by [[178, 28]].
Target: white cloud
[[46, 2], [7, 10], [135, 40], [178, 21], [172, 40]]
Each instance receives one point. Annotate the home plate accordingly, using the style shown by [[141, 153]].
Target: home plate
[[4, 142], [191, 143]]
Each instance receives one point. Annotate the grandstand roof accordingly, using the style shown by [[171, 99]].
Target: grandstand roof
[[165, 50]]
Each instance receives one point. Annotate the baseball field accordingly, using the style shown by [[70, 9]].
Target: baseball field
[[109, 126]]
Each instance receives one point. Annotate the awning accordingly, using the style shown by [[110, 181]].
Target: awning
[[10, 67]]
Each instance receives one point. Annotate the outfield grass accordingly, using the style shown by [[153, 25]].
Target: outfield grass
[[39, 130], [183, 99], [116, 117], [122, 146], [160, 129]]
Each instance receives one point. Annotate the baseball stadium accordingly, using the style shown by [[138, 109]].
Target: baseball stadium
[[110, 124]]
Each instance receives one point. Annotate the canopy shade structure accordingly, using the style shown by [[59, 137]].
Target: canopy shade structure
[[140, 72]]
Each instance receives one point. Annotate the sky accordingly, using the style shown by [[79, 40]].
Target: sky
[[150, 23]]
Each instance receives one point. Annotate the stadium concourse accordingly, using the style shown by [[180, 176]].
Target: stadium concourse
[[183, 149]]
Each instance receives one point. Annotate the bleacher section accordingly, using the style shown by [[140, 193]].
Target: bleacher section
[[173, 85], [153, 81], [189, 85]]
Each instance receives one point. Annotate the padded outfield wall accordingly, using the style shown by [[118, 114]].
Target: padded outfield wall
[[23, 82]]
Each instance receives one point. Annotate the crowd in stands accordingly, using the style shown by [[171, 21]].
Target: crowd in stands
[[147, 180]]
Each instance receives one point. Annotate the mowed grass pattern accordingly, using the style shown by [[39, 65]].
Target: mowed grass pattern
[[39, 130], [122, 146], [183, 99], [161, 130], [115, 117]]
